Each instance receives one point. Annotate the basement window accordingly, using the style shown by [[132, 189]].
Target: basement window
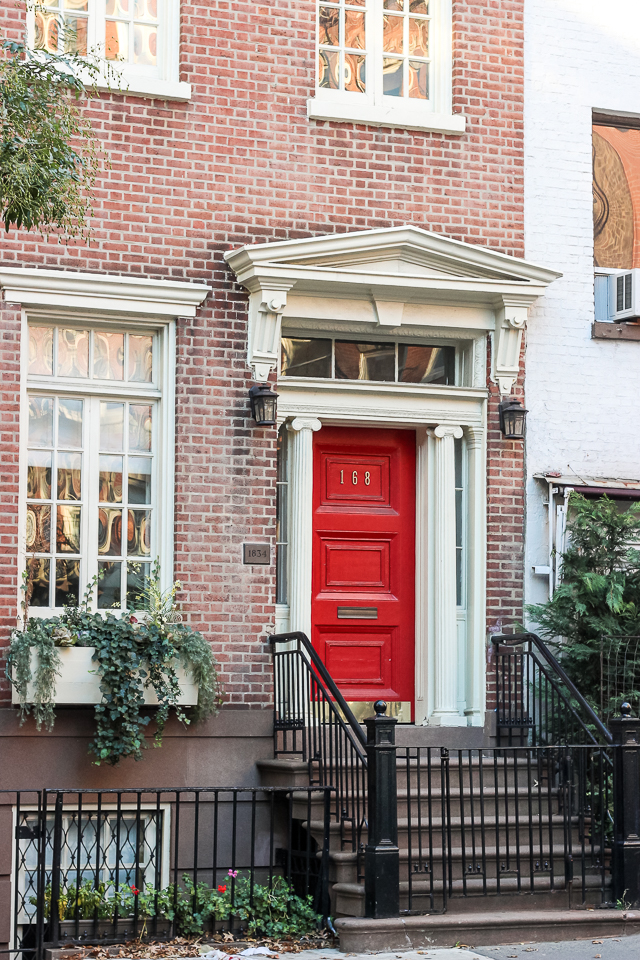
[[328, 359]]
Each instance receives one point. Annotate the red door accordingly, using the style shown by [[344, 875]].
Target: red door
[[363, 587]]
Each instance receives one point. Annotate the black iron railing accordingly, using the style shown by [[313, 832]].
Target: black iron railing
[[537, 703], [112, 865], [312, 720], [504, 821]]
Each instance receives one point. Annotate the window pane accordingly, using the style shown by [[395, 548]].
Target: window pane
[[418, 80], [41, 351], [394, 4], [38, 475], [328, 70], [392, 32], [354, 30], [146, 10], [365, 361], [139, 480], [73, 353], [108, 356], [68, 530], [75, 35], [111, 426], [420, 364], [109, 587], [116, 40], [40, 422], [139, 426], [329, 21], [69, 474], [306, 358], [39, 581], [109, 532], [139, 533], [75, 5], [419, 38], [69, 423], [46, 32], [110, 479], [392, 78], [419, 6], [137, 575], [145, 43], [140, 359], [117, 8], [354, 73], [38, 534], [67, 583]]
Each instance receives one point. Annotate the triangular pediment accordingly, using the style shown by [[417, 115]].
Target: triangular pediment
[[408, 251]]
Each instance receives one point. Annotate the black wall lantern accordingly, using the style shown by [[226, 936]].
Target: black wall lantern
[[512, 419], [264, 403]]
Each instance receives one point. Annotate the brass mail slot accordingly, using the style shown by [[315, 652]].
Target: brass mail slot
[[357, 613]]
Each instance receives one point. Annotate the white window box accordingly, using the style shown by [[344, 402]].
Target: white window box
[[78, 682]]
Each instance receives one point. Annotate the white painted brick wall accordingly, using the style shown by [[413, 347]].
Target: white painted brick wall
[[583, 395]]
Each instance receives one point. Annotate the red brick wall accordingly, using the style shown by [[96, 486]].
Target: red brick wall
[[241, 163]]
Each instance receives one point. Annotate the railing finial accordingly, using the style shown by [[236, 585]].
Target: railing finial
[[625, 710], [380, 707]]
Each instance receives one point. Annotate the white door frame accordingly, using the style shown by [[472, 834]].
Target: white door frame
[[438, 415]]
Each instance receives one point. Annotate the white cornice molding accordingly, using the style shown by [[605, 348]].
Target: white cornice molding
[[105, 293], [388, 269]]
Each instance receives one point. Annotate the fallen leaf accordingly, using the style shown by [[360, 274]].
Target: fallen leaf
[[596, 941]]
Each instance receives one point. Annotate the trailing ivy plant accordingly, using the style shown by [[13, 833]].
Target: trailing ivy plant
[[131, 653]]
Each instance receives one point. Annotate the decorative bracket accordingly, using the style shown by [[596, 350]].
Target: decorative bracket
[[511, 319], [267, 303]]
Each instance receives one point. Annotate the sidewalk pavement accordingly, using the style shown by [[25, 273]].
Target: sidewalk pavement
[[609, 948]]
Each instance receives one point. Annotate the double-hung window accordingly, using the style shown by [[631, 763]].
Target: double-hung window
[[93, 476], [138, 38], [385, 62]]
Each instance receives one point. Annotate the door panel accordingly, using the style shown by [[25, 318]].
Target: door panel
[[363, 593]]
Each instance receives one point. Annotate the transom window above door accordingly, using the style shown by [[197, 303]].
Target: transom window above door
[[92, 466], [386, 62], [325, 358]]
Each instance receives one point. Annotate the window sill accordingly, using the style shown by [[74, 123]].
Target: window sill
[[152, 89], [606, 330], [399, 116]]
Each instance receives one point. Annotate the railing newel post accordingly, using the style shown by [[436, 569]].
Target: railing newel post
[[381, 855], [56, 860], [626, 807]]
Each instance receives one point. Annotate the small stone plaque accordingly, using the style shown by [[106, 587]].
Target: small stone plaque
[[256, 553]]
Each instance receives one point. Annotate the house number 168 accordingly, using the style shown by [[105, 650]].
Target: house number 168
[[354, 477]]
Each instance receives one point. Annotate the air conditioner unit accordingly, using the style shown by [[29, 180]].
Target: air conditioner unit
[[617, 295]]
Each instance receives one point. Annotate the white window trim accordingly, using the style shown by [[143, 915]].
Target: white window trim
[[159, 82], [433, 115], [54, 295]]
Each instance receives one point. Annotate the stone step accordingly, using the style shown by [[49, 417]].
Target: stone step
[[478, 896], [497, 926]]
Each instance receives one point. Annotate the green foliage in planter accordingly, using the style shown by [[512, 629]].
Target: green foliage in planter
[[275, 911], [131, 653], [599, 595]]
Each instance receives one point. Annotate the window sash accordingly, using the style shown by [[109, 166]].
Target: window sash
[[93, 392]]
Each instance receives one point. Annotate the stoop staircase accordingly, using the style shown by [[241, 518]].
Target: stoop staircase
[[427, 842]]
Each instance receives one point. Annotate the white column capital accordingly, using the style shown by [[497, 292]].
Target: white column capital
[[475, 437], [304, 423], [448, 430]]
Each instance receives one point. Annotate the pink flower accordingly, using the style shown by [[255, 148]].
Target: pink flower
[[222, 887], [133, 619], [233, 873]]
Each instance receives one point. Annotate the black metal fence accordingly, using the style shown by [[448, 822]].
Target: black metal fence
[[312, 720], [110, 865], [537, 703], [505, 821]]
